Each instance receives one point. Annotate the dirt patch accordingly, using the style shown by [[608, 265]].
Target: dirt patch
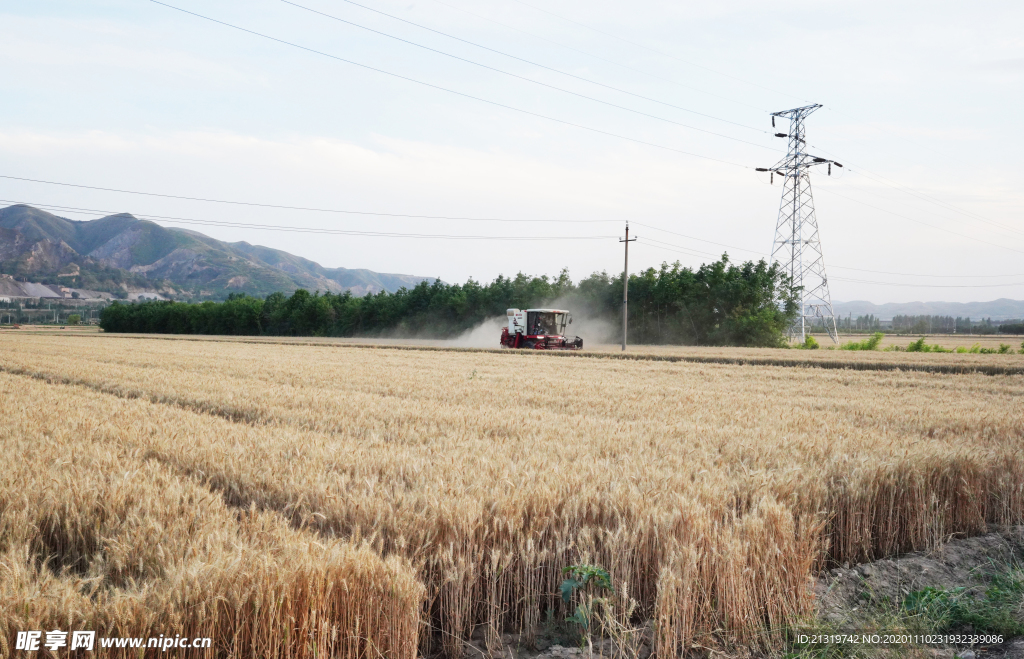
[[960, 575], [557, 644], [969, 563]]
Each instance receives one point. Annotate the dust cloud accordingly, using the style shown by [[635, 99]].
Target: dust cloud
[[593, 328], [485, 335]]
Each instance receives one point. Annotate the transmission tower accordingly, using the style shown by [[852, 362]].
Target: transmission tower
[[797, 246]]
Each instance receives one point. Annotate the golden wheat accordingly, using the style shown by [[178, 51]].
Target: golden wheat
[[713, 491], [96, 536]]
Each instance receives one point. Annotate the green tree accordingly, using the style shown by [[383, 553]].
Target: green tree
[[718, 304]]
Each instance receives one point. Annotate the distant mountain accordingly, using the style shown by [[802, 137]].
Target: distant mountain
[[124, 253], [1001, 309]]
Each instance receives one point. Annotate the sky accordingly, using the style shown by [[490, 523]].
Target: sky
[[563, 119]]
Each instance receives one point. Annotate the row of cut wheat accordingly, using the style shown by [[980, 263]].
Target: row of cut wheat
[[869, 359]]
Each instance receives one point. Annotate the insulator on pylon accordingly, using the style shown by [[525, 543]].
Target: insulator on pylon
[[838, 165], [830, 169], [781, 135], [816, 159], [760, 169], [773, 122], [773, 178]]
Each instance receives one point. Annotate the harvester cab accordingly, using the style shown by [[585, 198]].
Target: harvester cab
[[539, 329]]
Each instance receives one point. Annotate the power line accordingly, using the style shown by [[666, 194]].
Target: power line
[[598, 57], [866, 173], [290, 229], [527, 112], [273, 227], [863, 171], [379, 234], [446, 89], [668, 247], [683, 235], [890, 131], [836, 267], [290, 208], [515, 57], [519, 77], [911, 274], [891, 283], [689, 251], [884, 210], [884, 180], [675, 251], [656, 51], [413, 216], [924, 197], [743, 249]]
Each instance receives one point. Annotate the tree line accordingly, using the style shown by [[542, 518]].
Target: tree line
[[720, 303], [950, 325], [867, 322]]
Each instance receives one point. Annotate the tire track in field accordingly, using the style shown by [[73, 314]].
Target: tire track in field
[[782, 362], [246, 416]]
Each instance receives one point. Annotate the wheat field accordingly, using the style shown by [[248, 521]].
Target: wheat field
[[399, 501], [96, 535]]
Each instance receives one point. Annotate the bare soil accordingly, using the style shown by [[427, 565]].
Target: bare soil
[[965, 562], [848, 597]]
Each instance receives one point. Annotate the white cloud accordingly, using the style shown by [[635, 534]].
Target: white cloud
[[119, 96]]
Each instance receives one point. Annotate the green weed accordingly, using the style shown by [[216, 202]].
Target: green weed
[[998, 611], [921, 346], [871, 343], [579, 577], [810, 343]]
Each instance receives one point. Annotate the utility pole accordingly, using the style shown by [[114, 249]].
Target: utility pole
[[797, 245], [625, 286]]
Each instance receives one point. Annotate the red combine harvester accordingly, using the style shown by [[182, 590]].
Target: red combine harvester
[[538, 329]]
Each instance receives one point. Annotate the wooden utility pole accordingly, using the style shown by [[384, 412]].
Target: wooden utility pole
[[625, 286]]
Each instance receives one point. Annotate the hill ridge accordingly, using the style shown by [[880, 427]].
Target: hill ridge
[[121, 252], [999, 309]]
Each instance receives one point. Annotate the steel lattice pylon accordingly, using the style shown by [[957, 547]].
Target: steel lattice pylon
[[797, 246]]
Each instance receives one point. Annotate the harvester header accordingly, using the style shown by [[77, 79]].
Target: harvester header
[[539, 329]]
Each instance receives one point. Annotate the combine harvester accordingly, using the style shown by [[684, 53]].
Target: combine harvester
[[538, 329]]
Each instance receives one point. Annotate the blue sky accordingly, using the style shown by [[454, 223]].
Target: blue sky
[[922, 100]]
